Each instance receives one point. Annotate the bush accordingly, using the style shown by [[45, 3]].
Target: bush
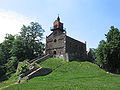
[[22, 67]]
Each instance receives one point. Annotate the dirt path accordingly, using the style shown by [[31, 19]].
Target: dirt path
[[8, 86], [22, 81]]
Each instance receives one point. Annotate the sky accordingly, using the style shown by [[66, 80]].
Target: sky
[[84, 20]]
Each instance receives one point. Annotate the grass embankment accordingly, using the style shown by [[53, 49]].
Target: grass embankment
[[71, 76], [11, 80]]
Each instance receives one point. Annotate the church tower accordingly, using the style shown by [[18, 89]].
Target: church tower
[[57, 27], [55, 42], [62, 46]]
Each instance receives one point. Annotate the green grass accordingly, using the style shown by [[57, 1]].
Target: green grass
[[71, 76], [12, 80]]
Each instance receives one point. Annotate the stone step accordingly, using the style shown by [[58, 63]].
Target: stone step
[[31, 74], [34, 69], [43, 58]]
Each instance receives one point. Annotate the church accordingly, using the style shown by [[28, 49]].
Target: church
[[62, 46]]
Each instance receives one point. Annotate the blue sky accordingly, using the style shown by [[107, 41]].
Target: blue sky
[[84, 20]]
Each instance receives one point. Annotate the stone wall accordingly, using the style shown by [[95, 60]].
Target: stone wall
[[55, 43], [63, 56], [75, 49], [65, 47]]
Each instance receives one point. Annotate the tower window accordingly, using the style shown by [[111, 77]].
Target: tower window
[[55, 40]]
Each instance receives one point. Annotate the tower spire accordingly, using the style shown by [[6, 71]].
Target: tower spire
[[58, 18], [57, 25]]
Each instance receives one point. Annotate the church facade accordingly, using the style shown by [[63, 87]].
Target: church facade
[[62, 46]]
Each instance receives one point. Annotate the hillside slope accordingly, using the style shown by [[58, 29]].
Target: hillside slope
[[71, 76]]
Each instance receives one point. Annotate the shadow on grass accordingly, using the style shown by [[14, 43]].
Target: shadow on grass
[[41, 72]]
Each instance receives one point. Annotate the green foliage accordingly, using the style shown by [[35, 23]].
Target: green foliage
[[32, 35], [15, 48], [71, 76], [32, 32], [5, 55], [108, 52], [18, 49], [5, 48], [92, 55], [22, 67], [12, 80], [11, 65], [2, 71], [100, 53]]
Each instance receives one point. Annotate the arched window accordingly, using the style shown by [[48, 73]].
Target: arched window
[[55, 40]]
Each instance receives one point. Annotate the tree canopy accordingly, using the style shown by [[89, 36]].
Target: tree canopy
[[108, 52], [25, 45]]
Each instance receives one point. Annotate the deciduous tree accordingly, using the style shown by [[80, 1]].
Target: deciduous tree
[[108, 52]]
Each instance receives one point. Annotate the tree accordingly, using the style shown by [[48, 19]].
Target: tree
[[16, 48], [108, 52], [100, 54], [32, 36], [11, 65], [92, 55], [5, 48], [28, 44]]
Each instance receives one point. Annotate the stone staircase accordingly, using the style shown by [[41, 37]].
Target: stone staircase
[[35, 70], [34, 73], [40, 59]]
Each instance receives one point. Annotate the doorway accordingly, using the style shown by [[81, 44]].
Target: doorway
[[54, 52]]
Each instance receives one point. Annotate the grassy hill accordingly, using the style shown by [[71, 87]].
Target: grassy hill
[[71, 76]]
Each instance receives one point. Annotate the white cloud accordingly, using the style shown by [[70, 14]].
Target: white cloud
[[11, 23]]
